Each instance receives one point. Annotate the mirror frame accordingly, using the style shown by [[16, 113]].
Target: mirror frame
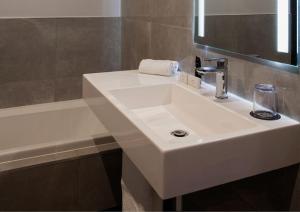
[[266, 62]]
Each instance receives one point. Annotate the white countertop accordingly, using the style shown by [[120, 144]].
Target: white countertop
[[110, 81]]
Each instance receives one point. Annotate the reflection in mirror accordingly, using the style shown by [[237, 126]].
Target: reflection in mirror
[[264, 29]]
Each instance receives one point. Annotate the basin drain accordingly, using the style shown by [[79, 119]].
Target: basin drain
[[179, 133]]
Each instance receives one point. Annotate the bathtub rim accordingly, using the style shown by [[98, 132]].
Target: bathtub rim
[[40, 108], [58, 156], [35, 154]]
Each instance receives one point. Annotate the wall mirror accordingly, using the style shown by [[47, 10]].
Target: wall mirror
[[262, 31]]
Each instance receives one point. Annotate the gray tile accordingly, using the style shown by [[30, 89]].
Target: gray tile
[[95, 182], [136, 9], [89, 183], [28, 49], [68, 88], [26, 93], [51, 187], [135, 42], [170, 42], [87, 45], [173, 12], [38, 51]]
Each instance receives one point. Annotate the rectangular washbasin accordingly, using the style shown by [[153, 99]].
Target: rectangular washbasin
[[224, 142], [167, 107]]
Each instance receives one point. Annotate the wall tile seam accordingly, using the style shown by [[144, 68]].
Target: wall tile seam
[[135, 19], [158, 23], [173, 26], [150, 39]]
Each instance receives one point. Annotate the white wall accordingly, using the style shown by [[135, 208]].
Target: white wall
[[59, 8], [240, 7]]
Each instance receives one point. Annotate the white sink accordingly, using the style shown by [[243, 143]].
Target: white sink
[[169, 107], [223, 144]]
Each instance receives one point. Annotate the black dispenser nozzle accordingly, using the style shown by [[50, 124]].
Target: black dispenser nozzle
[[198, 62], [198, 65]]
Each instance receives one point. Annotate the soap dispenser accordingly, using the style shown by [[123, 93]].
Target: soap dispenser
[[198, 65], [193, 79]]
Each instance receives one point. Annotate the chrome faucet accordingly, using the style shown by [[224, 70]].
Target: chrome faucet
[[221, 71]]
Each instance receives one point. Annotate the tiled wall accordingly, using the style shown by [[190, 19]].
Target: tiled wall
[[42, 60], [157, 29], [163, 29]]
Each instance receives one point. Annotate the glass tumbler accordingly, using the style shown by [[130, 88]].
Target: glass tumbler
[[265, 102]]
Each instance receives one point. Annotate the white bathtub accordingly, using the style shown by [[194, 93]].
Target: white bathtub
[[42, 133]]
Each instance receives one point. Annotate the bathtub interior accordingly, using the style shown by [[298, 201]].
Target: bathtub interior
[[44, 124]]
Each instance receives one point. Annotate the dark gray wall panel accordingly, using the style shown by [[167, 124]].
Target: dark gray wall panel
[[42, 60]]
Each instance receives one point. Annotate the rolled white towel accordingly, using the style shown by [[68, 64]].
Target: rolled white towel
[[159, 67]]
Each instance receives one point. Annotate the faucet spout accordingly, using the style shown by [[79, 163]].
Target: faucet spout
[[221, 71]]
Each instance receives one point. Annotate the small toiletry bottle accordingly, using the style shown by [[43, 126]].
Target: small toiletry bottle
[[198, 65], [183, 77]]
